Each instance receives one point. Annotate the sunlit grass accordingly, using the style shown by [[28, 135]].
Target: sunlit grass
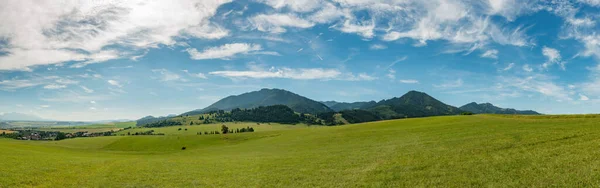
[[451, 151]]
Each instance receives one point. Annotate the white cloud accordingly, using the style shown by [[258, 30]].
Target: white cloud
[[49, 82], [296, 5], [327, 14], [54, 86], [377, 47], [196, 75], [114, 83], [538, 83], [276, 23], [41, 36], [493, 54], [93, 102], [391, 74], [87, 90], [364, 29], [583, 97], [166, 75], [527, 68], [508, 67], [44, 106], [298, 74], [225, 51], [409, 81], [553, 56]]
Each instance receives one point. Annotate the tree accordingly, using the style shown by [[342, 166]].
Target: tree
[[224, 129], [191, 123], [60, 136], [128, 133], [185, 129], [179, 129]]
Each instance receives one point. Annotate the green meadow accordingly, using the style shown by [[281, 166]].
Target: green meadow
[[449, 151]]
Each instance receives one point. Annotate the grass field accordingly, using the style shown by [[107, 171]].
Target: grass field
[[452, 151], [89, 128]]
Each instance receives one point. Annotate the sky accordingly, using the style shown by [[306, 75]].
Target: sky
[[108, 59]]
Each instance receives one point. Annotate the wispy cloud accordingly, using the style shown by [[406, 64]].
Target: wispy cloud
[[409, 81], [225, 51], [298, 74], [493, 54], [115, 83], [377, 47], [450, 84], [553, 56], [166, 75]]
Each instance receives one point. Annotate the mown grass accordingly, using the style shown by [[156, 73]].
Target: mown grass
[[452, 151]]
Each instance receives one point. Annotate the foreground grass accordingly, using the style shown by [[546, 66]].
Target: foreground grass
[[456, 151]]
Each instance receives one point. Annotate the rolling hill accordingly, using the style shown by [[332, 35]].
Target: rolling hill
[[266, 97], [448, 151], [487, 108]]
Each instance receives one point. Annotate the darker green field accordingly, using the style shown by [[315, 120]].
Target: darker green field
[[451, 151]]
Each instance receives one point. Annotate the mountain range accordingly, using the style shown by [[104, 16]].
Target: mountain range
[[411, 104], [487, 108]]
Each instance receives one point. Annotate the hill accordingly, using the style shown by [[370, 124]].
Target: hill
[[266, 97], [448, 151], [487, 108], [411, 104]]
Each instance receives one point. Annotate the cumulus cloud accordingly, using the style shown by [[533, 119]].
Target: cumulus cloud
[[225, 51], [276, 23], [82, 31]]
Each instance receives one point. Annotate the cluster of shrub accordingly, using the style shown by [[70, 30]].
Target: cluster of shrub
[[150, 132], [226, 130], [163, 123]]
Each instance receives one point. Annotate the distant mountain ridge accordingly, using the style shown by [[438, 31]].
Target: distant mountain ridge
[[266, 97], [488, 108], [411, 104], [340, 106]]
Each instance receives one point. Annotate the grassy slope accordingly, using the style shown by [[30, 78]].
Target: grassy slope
[[454, 151]]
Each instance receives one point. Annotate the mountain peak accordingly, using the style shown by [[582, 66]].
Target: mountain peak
[[267, 97], [489, 108]]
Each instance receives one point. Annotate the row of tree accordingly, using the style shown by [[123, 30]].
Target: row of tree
[[226, 130]]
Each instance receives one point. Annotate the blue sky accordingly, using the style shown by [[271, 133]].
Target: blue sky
[[73, 60]]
